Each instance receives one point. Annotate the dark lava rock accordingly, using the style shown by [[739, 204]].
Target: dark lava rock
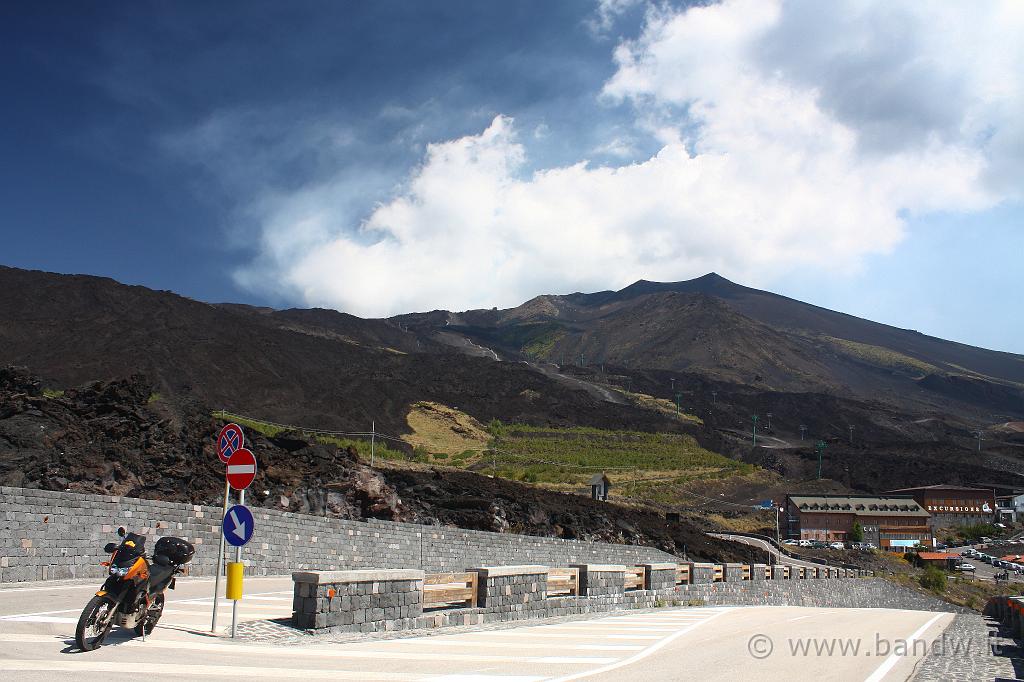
[[119, 438]]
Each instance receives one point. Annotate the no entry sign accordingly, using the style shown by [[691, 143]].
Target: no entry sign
[[241, 469], [229, 441]]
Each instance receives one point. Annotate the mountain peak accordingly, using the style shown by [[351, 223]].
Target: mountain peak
[[711, 283]]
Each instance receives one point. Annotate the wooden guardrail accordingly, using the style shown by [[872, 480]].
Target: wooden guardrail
[[682, 574], [634, 577], [563, 582], [787, 571], [719, 573], [745, 572], [449, 589]]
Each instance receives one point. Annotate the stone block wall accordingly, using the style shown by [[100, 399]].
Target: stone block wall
[[701, 573], [515, 588], [357, 601], [600, 580], [733, 572], [48, 535], [838, 593], [660, 576], [332, 601]]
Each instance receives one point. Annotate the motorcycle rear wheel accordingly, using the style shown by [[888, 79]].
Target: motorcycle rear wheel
[[94, 624], [151, 617]]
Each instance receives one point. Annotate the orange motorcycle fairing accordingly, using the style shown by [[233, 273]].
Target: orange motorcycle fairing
[[138, 571]]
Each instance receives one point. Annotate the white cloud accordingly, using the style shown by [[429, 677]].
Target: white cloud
[[607, 12], [786, 144]]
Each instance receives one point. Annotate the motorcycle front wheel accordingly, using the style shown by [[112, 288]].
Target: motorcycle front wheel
[[94, 623]]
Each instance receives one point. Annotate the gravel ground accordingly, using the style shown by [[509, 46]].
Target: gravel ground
[[974, 647]]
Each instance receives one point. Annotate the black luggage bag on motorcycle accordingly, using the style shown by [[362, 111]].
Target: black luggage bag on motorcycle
[[178, 551]]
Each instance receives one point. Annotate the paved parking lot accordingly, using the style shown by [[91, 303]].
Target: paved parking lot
[[37, 624]]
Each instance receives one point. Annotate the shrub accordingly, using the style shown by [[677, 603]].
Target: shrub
[[934, 579], [857, 532], [977, 531]]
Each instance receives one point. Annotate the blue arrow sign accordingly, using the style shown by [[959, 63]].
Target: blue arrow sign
[[238, 525]]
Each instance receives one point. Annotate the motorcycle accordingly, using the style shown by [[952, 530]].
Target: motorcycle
[[133, 594]]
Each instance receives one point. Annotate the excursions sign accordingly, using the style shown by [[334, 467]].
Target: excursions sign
[[969, 508]]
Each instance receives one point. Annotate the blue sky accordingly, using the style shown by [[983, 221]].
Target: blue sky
[[382, 157]]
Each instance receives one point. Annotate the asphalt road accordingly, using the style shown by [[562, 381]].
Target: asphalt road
[[769, 548], [765, 643]]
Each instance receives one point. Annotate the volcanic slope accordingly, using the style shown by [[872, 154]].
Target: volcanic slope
[[309, 367], [727, 332]]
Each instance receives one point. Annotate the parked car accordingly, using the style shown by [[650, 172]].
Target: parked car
[[965, 567], [939, 546], [837, 545], [985, 539], [999, 563], [969, 552], [791, 543], [868, 545], [805, 543]]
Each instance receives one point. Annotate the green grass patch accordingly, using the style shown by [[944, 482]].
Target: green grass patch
[[885, 357], [53, 393], [573, 455]]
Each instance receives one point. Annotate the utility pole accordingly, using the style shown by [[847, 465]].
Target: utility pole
[[851, 434], [678, 395], [821, 448], [803, 430], [673, 384], [373, 439], [753, 435], [714, 397], [769, 415], [978, 435]]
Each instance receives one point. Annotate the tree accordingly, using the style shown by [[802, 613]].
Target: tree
[[857, 532]]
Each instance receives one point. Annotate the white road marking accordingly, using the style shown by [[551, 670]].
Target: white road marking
[[437, 641], [613, 626], [633, 636], [185, 671], [41, 619], [334, 652], [665, 641], [482, 678], [888, 664], [792, 620], [568, 635]]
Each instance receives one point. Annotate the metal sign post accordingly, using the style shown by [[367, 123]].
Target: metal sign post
[[220, 561], [238, 560], [230, 439]]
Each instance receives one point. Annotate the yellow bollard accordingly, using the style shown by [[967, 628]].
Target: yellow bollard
[[234, 584]]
